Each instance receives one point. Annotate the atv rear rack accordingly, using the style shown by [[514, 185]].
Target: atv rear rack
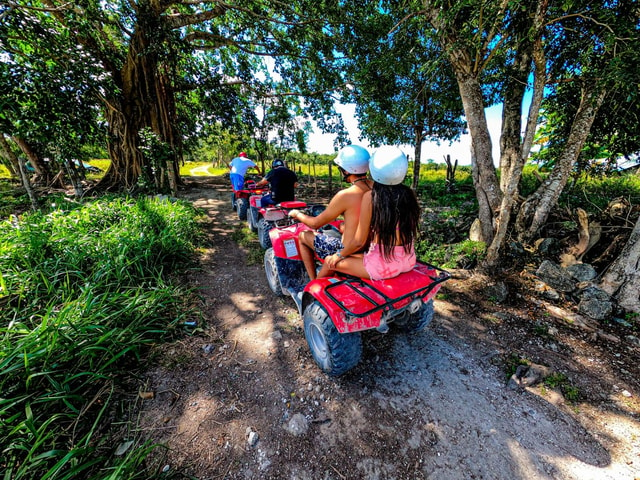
[[367, 290]]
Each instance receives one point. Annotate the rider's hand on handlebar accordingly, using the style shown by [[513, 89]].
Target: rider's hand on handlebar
[[294, 213]]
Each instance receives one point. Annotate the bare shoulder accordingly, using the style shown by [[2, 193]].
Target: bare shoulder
[[352, 197], [353, 192]]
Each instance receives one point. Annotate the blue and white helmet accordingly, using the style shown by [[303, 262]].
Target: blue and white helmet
[[353, 159], [388, 165]]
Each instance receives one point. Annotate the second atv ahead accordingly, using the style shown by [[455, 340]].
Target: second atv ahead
[[336, 309], [268, 217], [240, 198]]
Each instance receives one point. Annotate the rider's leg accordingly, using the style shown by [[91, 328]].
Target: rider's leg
[[267, 200], [306, 252], [352, 265], [237, 181]]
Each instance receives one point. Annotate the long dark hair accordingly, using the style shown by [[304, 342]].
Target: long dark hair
[[395, 208]]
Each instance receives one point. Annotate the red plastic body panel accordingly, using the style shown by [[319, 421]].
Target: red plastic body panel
[[250, 189], [362, 296], [285, 241], [282, 207], [254, 200]]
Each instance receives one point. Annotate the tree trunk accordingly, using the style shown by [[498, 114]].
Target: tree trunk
[[484, 175], [417, 154], [146, 100], [535, 210], [7, 153], [6, 149], [464, 65], [539, 82], [622, 279], [511, 149], [42, 170], [74, 176]]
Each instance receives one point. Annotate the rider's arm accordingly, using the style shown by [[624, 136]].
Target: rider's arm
[[359, 239], [265, 180], [335, 208]]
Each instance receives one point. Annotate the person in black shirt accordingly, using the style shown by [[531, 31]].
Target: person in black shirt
[[283, 183]]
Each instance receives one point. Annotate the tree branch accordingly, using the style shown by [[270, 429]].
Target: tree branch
[[182, 20]]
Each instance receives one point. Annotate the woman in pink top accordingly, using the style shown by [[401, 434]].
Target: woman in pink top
[[389, 219]]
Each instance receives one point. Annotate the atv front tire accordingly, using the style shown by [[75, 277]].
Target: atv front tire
[[334, 352], [271, 271], [416, 322]]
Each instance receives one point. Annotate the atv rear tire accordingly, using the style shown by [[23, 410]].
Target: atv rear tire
[[243, 205], [334, 352], [271, 271], [263, 233], [418, 321]]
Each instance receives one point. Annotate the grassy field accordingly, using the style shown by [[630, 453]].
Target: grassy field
[[447, 213]]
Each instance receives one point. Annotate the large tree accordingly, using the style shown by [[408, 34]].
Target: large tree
[[48, 105], [622, 279], [496, 48], [154, 54], [403, 91]]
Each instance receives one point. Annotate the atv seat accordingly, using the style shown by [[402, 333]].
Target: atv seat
[[293, 204]]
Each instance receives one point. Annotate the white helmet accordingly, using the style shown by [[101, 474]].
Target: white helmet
[[388, 165], [353, 159]]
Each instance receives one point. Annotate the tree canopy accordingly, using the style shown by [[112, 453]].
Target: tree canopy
[[155, 77], [171, 66], [404, 91]]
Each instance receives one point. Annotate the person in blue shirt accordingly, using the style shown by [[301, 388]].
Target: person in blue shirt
[[239, 167]]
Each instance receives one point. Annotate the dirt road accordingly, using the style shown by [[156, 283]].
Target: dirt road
[[242, 398]]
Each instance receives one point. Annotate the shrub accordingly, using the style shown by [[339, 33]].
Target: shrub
[[83, 292], [466, 254]]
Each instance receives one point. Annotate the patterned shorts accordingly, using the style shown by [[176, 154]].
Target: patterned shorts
[[326, 245]]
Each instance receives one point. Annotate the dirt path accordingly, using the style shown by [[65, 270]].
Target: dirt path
[[242, 399]]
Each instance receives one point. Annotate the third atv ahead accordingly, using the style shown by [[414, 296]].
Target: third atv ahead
[[240, 198]]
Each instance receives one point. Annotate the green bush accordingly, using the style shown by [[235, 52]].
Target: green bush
[[466, 254], [83, 292], [593, 194], [561, 381]]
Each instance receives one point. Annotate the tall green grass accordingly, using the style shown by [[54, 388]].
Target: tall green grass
[[83, 293]]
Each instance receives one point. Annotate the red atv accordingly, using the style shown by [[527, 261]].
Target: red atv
[[270, 216], [255, 210], [336, 309], [240, 198]]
